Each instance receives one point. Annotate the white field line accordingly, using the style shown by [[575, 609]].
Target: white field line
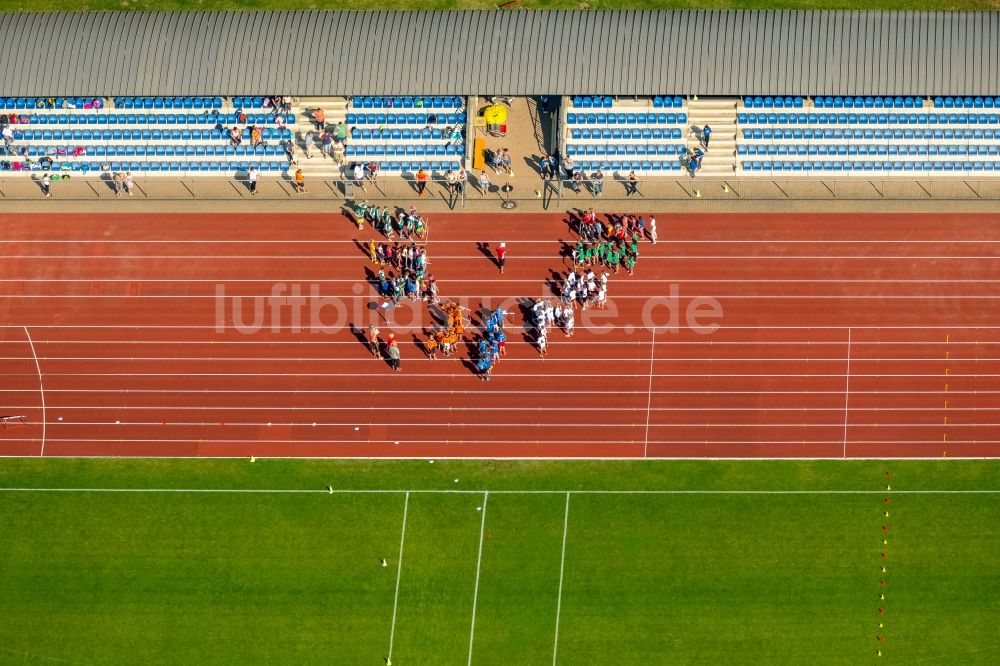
[[847, 390], [399, 571], [479, 560], [41, 388], [562, 567], [452, 491]]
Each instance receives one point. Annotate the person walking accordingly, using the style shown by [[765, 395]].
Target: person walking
[[300, 181], [373, 341], [706, 134], [394, 356], [502, 256], [129, 183], [652, 229], [252, 177], [319, 117], [46, 184], [421, 179]]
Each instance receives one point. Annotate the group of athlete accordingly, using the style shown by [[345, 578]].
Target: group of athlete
[[447, 340], [492, 344]]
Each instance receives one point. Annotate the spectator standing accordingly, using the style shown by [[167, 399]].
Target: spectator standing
[[632, 184], [326, 143], [309, 141], [569, 167], [319, 117], [463, 180], [394, 356], [451, 179], [598, 182], [502, 256], [252, 176], [507, 162], [338, 151], [46, 184], [577, 182], [706, 134], [129, 183], [652, 229], [358, 175], [300, 182], [372, 169], [119, 182], [484, 183], [290, 151]]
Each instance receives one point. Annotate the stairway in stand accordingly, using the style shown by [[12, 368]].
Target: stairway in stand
[[335, 110], [720, 115]]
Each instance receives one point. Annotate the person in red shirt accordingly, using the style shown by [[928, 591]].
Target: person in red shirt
[[501, 256]]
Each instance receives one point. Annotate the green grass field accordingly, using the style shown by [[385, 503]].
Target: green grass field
[[272, 5], [719, 564]]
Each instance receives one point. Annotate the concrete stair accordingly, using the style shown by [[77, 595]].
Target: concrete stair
[[720, 115], [335, 109]]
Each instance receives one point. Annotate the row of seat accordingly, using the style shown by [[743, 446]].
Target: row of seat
[[605, 102], [401, 150], [411, 167], [406, 118], [626, 118], [181, 103], [146, 166], [624, 166], [161, 150], [837, 102], [625, 134], [440, 102], [890, 150], [868, 166], [773, 102], [967, 102], [868, 118], [153, 119], [626, 149], [268, 134], [396, 134], [873, 134], [17, 103]]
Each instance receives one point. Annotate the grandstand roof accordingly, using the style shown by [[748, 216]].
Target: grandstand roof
[[504, 52]]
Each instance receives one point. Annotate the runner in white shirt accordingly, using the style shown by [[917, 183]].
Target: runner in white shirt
[[568, 323], [542, 341], [652, 229]]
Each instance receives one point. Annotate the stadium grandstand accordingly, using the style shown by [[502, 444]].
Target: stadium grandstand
[[800, 93]]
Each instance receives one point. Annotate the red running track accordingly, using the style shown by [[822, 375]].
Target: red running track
[[839, 336]]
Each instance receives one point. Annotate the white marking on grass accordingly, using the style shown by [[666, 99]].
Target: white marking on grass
[[847, 390], [41, 388], [479, 561], [446, 491], [399, 571], [562, 566]]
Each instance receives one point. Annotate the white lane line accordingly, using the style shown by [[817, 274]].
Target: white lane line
[[293, 328], [601, 409], [456, 443], [448, 491], [562, 566], [399, 571], [847, 390], [510, 424], [467, 257], [209, 391], [479, 561], [370, 296], [41, 388], [278, 241], [535, 376], [631, 280], [568, 342], [649, 394], [457, 359]]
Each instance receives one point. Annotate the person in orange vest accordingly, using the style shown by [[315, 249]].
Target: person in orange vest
[[300, 181], [319, 117], [421, 182]]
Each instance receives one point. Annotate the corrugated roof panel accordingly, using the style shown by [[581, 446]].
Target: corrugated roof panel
[[520, 52]]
